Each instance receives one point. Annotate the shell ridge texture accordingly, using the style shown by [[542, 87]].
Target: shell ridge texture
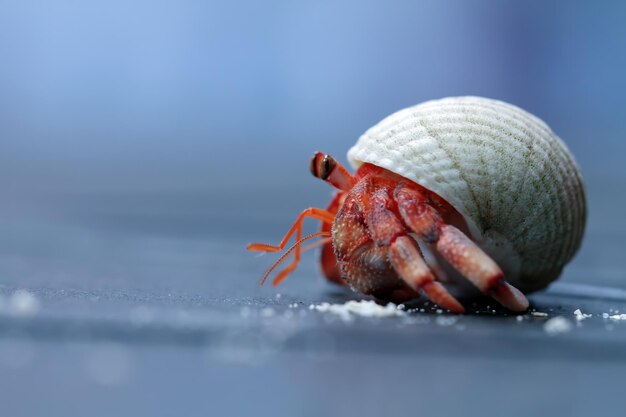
[[476, 221]]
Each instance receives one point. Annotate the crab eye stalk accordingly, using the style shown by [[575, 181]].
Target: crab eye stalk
[[326, 168]]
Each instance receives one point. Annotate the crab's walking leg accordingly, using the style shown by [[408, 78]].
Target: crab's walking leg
[[474, 264], [456, 248], [407, 260], [316, 213], [404, 254]]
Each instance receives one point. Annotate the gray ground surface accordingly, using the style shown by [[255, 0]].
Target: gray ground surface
[[149, 305]]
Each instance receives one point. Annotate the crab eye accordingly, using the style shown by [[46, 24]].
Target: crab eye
[[328, 164], [322, 165]]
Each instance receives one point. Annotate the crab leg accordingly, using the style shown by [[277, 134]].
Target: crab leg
[[404, 254], [316, 213], [406, 258], [457, 249], [474, 264]]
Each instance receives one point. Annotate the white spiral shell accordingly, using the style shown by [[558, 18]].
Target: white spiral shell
[[514, 181]]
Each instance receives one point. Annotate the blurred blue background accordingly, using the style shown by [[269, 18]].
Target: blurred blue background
[[197, 95]]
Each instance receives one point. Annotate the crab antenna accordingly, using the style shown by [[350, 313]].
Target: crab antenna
[[284, 256], [326, 168]]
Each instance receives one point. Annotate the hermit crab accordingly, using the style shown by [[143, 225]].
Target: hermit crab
[[448, 192]]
